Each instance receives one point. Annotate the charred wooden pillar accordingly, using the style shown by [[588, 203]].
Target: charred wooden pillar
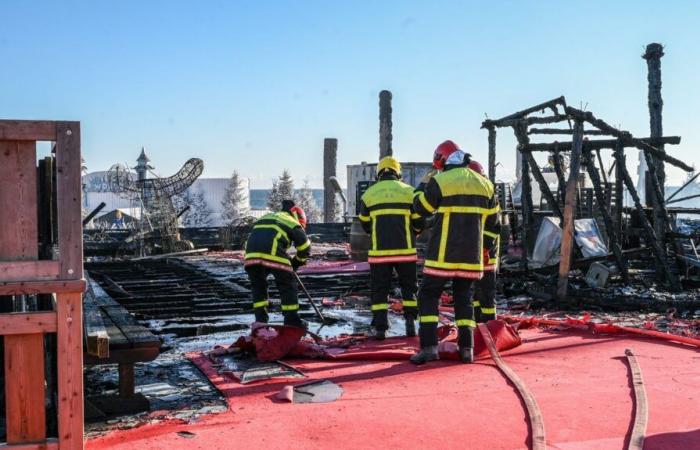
[[525, 192], [567, 236], [619, 188], [607, 219], [544, 188], [653, 55], [659, 251], [330, 161], [492, 153], [385, 125]]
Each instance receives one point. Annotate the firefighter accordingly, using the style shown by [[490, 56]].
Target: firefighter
[[385, 213], [266, 253], [460, 200], [485, 289]]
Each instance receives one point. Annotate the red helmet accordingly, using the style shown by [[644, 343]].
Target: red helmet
[[299, 214], [477, 167], [442, 152]]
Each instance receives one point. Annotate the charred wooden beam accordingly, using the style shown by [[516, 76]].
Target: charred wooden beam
[[685, 185], [492, 154], [627, 138], [659, 252], [550, 104], [525, 194], [544, 187], [619, 188], [598, 144], [330, 161], [689, 197], [653, 54], [385, 124], [609, 226], [565, 131], [567, 235]]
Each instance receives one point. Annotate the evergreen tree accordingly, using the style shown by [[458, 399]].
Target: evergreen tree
[[305, 199], [286, 186], [199, 214], [274, 201], [282, 189], [233, 203]]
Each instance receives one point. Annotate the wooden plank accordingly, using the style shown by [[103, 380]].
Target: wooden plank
[[125, 356], [27, 130], [567, 235], [38, 287], [117, 340], [18, 220], [137, 334], [48, 444], [69, 191], [27, 323], [70, 370], [28, 270], [24, 388]]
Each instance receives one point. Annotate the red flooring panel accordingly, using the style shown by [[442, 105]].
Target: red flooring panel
[[581, 383]]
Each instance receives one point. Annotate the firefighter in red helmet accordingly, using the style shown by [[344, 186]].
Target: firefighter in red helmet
[[459, 200], [266, 253], [485, 289]]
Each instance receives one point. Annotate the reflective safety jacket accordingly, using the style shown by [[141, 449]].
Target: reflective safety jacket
[[466, 222], [271, 237], [386, 214]]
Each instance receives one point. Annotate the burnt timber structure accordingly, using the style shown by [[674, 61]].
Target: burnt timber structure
[[41, 285], [583, 152]]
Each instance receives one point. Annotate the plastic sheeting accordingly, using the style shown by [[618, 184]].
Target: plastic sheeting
[[548, 243]]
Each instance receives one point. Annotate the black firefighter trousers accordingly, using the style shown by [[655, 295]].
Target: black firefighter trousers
[[287, 287], [380, 283], [485, 298], [428, 308]]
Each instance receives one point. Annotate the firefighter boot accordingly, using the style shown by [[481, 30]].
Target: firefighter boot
[[377, 334], [261, 315], [291, 318], [466, 344], [425, 354]]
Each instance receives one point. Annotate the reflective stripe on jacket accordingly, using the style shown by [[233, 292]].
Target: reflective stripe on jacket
[[271, 237], [465, 208], [386, 214]]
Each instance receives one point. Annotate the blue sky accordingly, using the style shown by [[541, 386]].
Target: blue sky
[[256, 85]]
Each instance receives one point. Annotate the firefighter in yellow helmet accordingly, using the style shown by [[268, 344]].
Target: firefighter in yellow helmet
[[460, 200], [386, 214]]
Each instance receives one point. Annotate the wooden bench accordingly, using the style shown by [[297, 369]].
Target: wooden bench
[[113, 336]]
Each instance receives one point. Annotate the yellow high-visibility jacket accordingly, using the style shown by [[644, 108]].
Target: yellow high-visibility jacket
[[271, 237], [386, 214], [466, 222]]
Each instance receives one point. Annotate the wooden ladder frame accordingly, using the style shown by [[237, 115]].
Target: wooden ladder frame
[[21, 273]]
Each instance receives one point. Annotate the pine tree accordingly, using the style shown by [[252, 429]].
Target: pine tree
[[274, 201], [233, 203], [286, 186], [304, 197], [282, 189], [199, 214]]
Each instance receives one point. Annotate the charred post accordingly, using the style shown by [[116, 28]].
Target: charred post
[[659, 252], [607, 219], [654, 53], [492, 153], [330, 161], [385, 124]]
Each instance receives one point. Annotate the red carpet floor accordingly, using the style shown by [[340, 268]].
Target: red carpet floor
[[581, 383]]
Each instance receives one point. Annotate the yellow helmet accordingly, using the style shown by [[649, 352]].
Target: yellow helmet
[[390, 163]]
